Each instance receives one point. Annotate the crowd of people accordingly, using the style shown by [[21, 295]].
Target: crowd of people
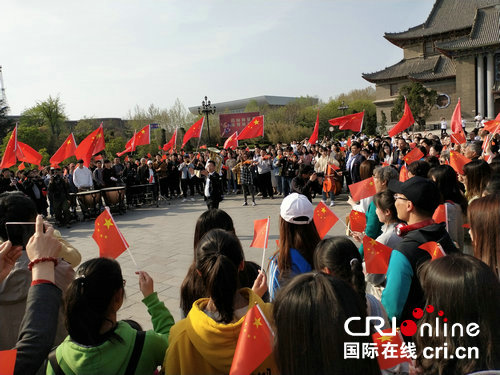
[[311, 287]]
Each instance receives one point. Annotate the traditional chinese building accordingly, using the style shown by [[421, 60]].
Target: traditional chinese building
[[456, 52]]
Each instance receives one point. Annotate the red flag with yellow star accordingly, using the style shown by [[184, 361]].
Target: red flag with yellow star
[[66, 150], [254, 129], [255, 343], [324, 219], [440, 215], [142, 137], [377, 255], [434, 249], [12, 151], [108, 237], [90, 146], [389, 349], [194, 131], [362, 189], [458, 138], [357, 221], [7, 361], [457, 161], [352, 122], [413, 155], [260, 233], [493, 126]]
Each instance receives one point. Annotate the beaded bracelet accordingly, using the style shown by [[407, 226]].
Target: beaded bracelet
[[41, 260]]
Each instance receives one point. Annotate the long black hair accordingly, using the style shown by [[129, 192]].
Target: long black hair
[[218, 258], [88, 298], [446, 180], [341, 257], [192, 287]]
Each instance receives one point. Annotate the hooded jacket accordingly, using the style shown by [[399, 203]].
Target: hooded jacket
[[112, 356], [200, 345]]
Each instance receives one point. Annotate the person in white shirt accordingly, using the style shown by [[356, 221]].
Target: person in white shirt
[[444, 126], [82, 177], [478, 120]]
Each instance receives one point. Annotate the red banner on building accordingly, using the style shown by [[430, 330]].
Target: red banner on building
[[234, 122]]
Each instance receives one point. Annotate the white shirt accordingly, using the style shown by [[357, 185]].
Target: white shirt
[[444, 125], [82, 177]]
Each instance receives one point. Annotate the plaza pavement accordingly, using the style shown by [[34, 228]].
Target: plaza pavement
[[161, 241]]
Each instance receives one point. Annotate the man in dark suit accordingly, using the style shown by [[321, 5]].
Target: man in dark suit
[[353, 162], [397, 155], [213, 186]]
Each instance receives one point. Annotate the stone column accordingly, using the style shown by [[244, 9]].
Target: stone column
[[490, 100], [480, 85]]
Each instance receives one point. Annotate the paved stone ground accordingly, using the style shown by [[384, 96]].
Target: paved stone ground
[[161, 241]]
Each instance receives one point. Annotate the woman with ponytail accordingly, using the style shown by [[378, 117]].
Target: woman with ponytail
[[204, 342], [338, 256], [97, 342]]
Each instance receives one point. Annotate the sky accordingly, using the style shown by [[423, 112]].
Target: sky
[[102, 58]]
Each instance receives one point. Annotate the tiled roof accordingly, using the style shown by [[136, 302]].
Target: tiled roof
[[436, 65], [485, 32], [445, 16], [445, 68]]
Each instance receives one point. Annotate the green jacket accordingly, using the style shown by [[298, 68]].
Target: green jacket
[[112, 357]]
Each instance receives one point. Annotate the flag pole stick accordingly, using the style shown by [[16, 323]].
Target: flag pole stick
[[267, 240], [133, 259]]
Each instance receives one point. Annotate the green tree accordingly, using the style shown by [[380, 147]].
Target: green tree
[[252, 106], [5, 123], [420, 99], [49, 113]]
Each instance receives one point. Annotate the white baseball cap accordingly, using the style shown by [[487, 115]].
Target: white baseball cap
[[296, 209]]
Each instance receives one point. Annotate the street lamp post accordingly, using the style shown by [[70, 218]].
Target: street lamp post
[[206, 109], [343, 107]]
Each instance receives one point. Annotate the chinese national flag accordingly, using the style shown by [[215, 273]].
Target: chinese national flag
[[405, 122], [142, 137], [255, 343], [21, 166], [413, 155], [126, 158], [389, 349], [194, 131], [260, 233], [362, 189], [458, 138], [493, 126], [385, 164], [231, 142], [108, 237], [254, 129], [11, 151], [66, 150], [377, 255], [164, 157], [440, 214], [434, 249], [7, 361], [349, 142], [331, 168], [357, 221], [203, 147], [403, 173], [324, 219], [456, 119], [90, 146], [352, 122], [314, 136], [457, 161], [30, 155], [171, 144]]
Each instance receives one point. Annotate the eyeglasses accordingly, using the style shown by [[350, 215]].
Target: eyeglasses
[[396, 197]]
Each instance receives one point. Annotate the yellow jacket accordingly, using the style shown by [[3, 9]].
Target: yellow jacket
[[200, 345]]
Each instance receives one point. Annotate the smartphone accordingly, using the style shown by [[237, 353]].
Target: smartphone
[[19, 233]]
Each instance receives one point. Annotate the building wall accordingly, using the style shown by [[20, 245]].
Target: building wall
[[443, 87], [414, 50], [466, 85]]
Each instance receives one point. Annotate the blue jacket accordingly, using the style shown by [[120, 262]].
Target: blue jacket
[[299, 266]]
